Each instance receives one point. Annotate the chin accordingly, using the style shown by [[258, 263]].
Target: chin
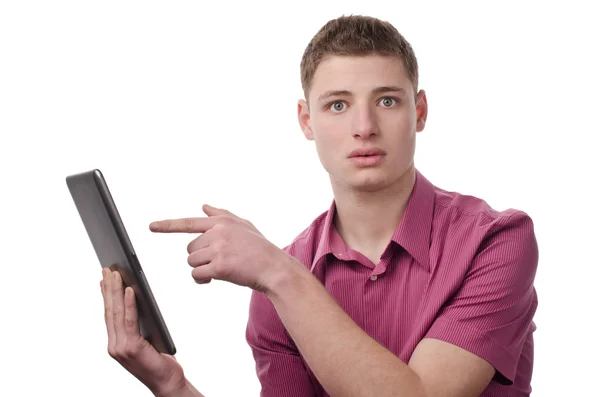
[[365, 180], [369, 183]]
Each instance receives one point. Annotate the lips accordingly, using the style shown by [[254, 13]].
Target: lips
[[365, 152]]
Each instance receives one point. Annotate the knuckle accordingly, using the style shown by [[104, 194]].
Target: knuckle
[[197, 277], [122, 351], [130, 350], [129, 322], [220, 271], [188, 224], [226, 231], [129, 353], [220, 258], [112, 352], [218, 247], [119, 354], [227, 220]]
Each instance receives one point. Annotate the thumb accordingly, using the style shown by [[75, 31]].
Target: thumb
[[212, 211]]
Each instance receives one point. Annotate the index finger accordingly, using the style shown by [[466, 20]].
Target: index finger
[[183, 225]]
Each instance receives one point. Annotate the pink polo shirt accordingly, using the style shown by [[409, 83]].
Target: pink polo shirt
[[455, 270]]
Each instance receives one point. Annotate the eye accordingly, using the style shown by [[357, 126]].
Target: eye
[[337, 106], [388, 101]]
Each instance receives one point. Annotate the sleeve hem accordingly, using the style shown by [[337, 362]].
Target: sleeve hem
[[478, 343]]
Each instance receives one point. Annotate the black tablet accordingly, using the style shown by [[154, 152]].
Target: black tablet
[[115, 251]]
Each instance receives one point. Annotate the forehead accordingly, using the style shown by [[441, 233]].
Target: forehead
[[359, 74]]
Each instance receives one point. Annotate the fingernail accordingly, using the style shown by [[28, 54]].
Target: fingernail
[[114, 276], [153, 226]]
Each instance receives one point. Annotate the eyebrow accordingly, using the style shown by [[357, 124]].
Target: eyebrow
[[378, 90]]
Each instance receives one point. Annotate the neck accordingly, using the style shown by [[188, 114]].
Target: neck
[[366, 221]]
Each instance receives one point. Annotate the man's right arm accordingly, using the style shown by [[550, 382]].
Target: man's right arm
[[279, 366]]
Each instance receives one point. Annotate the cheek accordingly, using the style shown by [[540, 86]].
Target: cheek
[[406, 147], [327, 131], [329, 143], [325, 144], [401, 135]]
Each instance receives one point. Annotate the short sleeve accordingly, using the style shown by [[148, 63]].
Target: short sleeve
[[279, 366], [492, 312]]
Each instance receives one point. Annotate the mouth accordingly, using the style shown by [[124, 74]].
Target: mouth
[[358, 153], [367, 157]]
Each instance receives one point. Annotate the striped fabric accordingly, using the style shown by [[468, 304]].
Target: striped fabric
[[455, 270]]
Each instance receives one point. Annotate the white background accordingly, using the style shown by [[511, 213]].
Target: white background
[[181, 104]]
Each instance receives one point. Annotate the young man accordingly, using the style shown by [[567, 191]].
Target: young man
[[399, 289]]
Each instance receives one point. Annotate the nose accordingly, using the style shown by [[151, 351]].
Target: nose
[[365, 123]]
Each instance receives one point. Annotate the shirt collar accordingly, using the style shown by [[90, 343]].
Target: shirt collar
[[327, 229], [413, 233]]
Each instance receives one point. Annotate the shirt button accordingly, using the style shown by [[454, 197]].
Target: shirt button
[[373, 278]]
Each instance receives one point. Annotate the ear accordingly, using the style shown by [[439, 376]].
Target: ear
[[421, 104], [304, 119]]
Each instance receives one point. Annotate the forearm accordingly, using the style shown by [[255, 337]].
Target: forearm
[[188, 391], [345, 359]]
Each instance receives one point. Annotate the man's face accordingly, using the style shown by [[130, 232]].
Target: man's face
[[363, 103]]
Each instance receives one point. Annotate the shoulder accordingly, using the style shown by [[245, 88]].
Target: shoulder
[[455, 209], [484, 236]]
